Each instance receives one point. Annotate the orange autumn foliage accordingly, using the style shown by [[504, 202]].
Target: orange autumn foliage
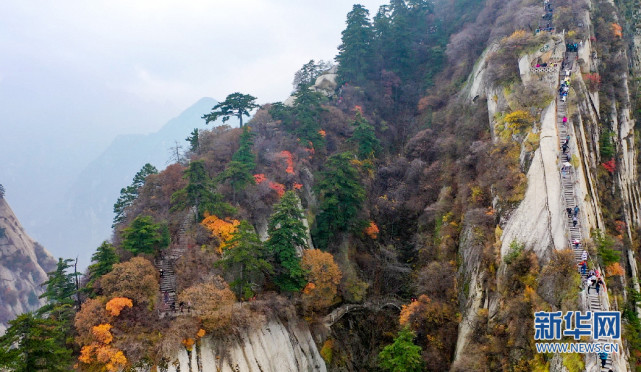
[[323, 276], [222, 229], [322, 133], [102, 334], [201, 333], [358, 108], [188, 343], [426, 314], [99, 355], [372, 230], [614, 269], [278, 187], [259, 178], [298, 186], [290, 161], [115, 305], [617, 30]]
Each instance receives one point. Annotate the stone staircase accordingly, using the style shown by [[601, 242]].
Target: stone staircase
[[166, 263], [568, 181]]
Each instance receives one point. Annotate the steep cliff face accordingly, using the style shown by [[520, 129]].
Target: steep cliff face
[[277, 346], [23, 268]]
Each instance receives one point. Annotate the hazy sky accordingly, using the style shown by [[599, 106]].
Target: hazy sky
[[119, 60], [74, 74]]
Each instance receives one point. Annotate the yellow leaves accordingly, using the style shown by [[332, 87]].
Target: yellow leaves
[[188, 343], [323, 276], [371, 230], [86, 353], [100, 353], [518, 120], [614, 269], [516, 35], [222, 229], [115, 305], [117, 361], [102, 334]]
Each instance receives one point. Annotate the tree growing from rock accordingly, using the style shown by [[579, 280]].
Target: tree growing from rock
[[323, 276], [364, 137], [236, 104], [355, 52], [239, 171], [341, 198], [287, 235], [245, 259], [102, 262], [130, 193], [145, 236], [402, 355], [200, 193]]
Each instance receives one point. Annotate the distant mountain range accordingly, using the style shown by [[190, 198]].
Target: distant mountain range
[[85, 215]]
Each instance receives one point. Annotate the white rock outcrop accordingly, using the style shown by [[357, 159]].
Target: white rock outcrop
[[23, 268], [275, 347], [538, 221]]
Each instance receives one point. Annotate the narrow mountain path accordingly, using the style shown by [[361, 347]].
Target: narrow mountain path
[[166, 265], [595, 302]]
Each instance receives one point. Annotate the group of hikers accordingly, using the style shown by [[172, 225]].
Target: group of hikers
[[565, 87], [593, 276], [549, 12], [172, 304]]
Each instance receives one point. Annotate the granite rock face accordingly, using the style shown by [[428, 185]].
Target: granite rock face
[[23, 268]]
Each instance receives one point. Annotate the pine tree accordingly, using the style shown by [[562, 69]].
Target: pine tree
[[236, 104], [341, 196], [355, 52], [103, 260], [307, 114], [365, 137], [199, 193], [60, 292], [145, 236], [287, 234], [245, 258], [60, 287], [33, 344], [129, 194], [193, 140], [402, 355], [239, 171]]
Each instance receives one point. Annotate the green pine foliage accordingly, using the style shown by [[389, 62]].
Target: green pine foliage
[[245, 259], [606, 147], [130, 193], [102, 262], [236, 104], [402, 355], [145, 236], [341, 198], [32, 343], [287, 234], [355, 54], [365, 137], [605, 244], [200, 193], [303, 118], [239, 171], [60, 286], [193, 140]]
